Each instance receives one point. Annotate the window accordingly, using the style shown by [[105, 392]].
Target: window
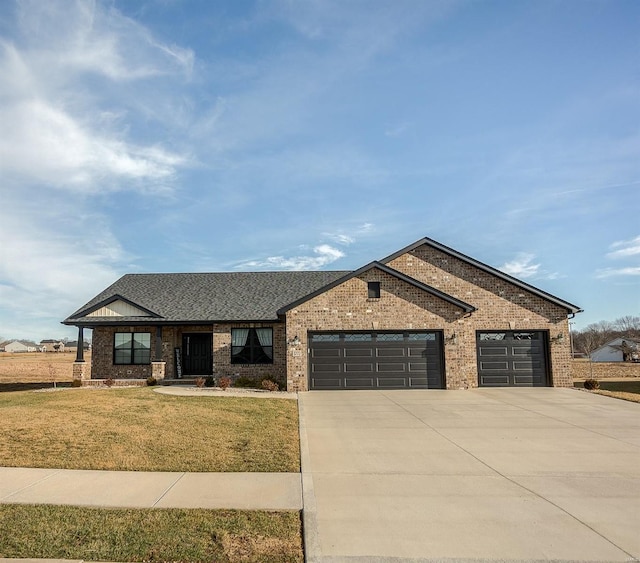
[[132, 348], [374, 290], [251, 345]]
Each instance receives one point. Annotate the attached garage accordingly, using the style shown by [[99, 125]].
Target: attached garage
[[376, 360], [512, 359]]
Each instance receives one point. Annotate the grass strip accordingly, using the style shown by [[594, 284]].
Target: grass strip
[[158, 535], [139, 430]]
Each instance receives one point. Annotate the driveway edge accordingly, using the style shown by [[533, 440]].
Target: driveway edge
[[312, 552]]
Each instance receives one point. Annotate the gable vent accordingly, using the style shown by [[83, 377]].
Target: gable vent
[[118, 309]]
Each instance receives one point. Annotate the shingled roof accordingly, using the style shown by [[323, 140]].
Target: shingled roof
[[213, 297]]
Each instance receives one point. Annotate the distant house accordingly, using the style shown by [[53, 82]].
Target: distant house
[[72, 346], [21, 346], [618, 350], [52, 346]]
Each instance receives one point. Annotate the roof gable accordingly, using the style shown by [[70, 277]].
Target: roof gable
[[118, 306], [485, 268], [395, 273]]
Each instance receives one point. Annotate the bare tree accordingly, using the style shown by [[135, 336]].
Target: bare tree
[[629, 325]]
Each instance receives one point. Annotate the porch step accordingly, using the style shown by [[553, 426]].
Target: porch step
[[181, 381]]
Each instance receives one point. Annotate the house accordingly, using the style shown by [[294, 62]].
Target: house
[[51, 346], [618, 350], [72, 346], [424, 317], [16, 346]]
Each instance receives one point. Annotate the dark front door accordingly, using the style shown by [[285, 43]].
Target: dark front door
[[512, 359], [197, 356], [376, 360]]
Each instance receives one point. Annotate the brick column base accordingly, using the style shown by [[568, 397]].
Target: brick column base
[[80, 371], [158, 370]]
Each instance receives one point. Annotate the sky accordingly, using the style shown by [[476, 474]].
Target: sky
[[198, 136]]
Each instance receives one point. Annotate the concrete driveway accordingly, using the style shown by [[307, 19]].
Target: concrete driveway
[[498, 474]]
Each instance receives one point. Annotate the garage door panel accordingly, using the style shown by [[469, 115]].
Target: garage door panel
[[359, 383], [390, 352], [494, 366], [326, 383], [402, 360], [419, 382], [392, 382], [512, 359], [358, 353], [358, 367], [326, 353], [497, 351], [494, 380], [391, 368], [326, 368]]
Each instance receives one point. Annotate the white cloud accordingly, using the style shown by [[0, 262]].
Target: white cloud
[[62, 130], [339, 238], [625, 248], [48, 264], [521, 266], [610, 272], [323, 255]]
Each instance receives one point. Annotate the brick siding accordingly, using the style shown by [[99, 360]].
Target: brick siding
[[102, 365], [501, 306], [583, 369]]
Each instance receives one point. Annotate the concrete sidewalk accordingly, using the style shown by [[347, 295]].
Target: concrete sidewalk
[[133, 489]]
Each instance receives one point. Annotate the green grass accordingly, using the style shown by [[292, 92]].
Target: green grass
[[139, 430], [64, 532]]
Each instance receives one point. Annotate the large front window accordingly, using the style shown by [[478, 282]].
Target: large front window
[[132, 348], [251, 345]]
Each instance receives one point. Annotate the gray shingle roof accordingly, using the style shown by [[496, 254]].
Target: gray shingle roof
[[229, 296]]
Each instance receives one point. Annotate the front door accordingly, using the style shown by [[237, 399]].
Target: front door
[[197, 356]]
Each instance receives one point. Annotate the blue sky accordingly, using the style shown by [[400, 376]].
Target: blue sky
[[169, 136]]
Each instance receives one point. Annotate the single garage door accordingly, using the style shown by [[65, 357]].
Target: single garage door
[[512, 359], [376, 360]]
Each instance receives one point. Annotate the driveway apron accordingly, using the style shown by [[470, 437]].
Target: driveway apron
[[485, 474]]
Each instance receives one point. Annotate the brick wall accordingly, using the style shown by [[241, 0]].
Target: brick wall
[[583, 369], [402, 306], [102, 356]]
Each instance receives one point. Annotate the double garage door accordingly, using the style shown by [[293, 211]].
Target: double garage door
[[382, 360], [415, 360]]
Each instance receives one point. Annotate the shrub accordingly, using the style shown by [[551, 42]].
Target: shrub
[[200, 382], [270, 385], [591, 384], [224, 382], [151, 381], [245, 382], [209, 381], [76, 383], [109, 381]]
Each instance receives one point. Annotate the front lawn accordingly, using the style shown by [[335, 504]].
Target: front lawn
[[66, 532], [139, 430], [620, 389]]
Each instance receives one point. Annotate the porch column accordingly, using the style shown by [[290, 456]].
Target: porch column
[[158, 353], [158, 367], [80, 351]]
